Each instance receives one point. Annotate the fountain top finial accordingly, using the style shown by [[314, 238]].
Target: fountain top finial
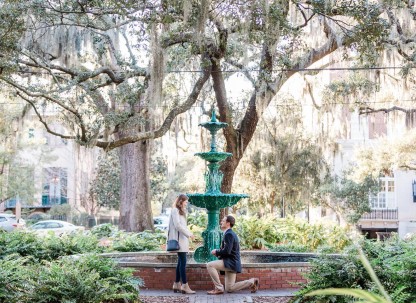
[[213, 116]]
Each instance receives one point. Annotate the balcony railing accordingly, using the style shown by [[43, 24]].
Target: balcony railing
[[46, 202], [381, 214]]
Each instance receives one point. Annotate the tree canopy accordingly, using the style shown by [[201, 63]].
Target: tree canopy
[[110, 70]]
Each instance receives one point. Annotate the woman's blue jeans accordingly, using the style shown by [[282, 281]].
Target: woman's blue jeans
[[180, 268]]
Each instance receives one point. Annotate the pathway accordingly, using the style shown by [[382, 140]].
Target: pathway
[[203, 297]]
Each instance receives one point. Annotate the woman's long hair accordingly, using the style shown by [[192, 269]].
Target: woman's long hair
[[178, 203]]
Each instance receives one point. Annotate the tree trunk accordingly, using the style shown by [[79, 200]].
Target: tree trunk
[[135, 206]]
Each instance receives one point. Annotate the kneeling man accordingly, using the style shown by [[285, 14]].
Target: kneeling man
[[229, 262]]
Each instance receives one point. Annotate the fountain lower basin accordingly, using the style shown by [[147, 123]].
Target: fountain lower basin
[[276, 270]]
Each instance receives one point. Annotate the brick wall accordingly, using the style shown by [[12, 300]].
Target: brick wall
[[198, 278]]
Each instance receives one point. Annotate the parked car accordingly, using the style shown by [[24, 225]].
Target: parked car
[[8, 222], [56, 227], [161, 222]]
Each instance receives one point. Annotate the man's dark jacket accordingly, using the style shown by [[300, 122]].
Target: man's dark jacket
[[230, 251]]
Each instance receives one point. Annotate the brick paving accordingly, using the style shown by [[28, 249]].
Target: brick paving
[[203, 297]]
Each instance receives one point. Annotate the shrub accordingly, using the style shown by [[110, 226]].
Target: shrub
[[393, 261], [197, 218], [255, 233], [104, 230], [21, 243], [88, 279], [289, 233], [143, 241], [71, 244], [14, 274]]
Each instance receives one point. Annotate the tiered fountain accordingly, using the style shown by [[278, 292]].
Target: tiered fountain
[[213, 199], [158, 269]]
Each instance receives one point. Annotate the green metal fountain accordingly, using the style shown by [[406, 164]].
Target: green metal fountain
[[213, 199]]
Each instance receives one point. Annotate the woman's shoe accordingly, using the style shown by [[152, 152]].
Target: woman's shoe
[[186, 290], [176, 287]]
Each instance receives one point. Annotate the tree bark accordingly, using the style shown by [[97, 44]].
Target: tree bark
[[135, 207]]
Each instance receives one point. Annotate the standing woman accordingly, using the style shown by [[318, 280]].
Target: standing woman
[[177, 224]]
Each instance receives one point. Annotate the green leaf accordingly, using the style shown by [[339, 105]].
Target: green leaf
[[356, 293]]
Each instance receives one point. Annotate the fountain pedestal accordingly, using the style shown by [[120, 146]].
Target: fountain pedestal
[[213, 199]]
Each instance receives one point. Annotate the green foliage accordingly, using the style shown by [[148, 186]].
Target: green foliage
[[14, 275], [158, 180], [11, 29], [347, 197], [284, 166], [197, 218], [142, 241], [20, 243], [356, 86], [86, 279], [104, 230], [290, 233], [51, 247], [89, 279], [27, 244], [390, 268], [105, 188], [66, 245], [60, 210], [315, 237], [255, 233], [365, 296]]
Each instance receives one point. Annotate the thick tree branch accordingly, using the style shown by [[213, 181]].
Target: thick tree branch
[[223, 105], [369, 110], [265, 91], [22, 90], [81, 76], [168, 120], [45, 124]]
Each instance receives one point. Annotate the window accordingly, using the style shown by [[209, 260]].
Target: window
[[54, 225], [55, 186], [31, 133], [385, 199]]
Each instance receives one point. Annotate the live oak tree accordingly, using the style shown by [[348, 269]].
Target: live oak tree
[[100, 67], [109, 98]]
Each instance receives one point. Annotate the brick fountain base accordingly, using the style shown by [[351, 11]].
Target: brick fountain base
[[275, 270]]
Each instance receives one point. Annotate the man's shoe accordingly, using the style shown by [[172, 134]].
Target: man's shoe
[[255, 286], [215, 292]]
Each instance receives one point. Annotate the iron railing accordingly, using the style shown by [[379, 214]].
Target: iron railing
[[381, 214], [46, 202]]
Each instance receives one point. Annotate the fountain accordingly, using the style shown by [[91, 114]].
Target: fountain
[[157, 269], [213, 199]]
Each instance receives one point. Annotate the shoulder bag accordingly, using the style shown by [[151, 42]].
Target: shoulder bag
[[172, 245]]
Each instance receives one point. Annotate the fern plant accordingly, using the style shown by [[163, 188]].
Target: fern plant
[[363, 296]]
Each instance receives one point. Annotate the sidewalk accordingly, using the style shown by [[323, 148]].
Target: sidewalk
[[202, 296]]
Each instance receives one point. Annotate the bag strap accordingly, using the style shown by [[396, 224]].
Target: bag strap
[[170, 222]]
